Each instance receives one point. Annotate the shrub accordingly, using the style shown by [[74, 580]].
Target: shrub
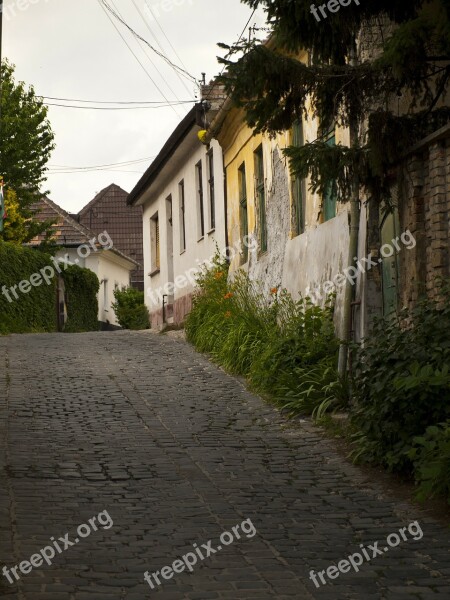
[[402, 383], [31, 312], [266, 340], [431, 458], [81, 286], [130, 309]]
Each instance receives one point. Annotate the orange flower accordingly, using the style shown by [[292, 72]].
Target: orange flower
[[227, 314], [219, 275], [228, 296], [274, 291]]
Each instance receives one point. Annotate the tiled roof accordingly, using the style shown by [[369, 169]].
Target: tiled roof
[[109, 211], [67, 232]]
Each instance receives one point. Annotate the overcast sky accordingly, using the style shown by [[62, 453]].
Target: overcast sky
[[70, 49]]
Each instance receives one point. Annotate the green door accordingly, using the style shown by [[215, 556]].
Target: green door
[[389, 265]]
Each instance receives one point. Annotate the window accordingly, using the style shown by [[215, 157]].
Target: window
[[155, 244], [261, 198], [297, 184], [200, 208], [330, 196], [182, 216], [212, 200], [243, 215]]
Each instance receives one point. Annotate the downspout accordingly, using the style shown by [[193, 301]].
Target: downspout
[[225, 198], [346, 333]]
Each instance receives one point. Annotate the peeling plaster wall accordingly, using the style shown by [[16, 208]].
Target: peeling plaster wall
[[315, 257], [268, 268]]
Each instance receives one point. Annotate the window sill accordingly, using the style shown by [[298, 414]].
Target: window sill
[[200, 239], [211, 231], [183, 252], [154, 272]]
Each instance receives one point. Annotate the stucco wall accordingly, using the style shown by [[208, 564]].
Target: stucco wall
[[316, 257], [198, 249]]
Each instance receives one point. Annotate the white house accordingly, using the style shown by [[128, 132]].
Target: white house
[[81, 246], [183, 199]]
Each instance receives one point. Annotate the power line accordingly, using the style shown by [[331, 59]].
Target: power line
[[157, 41], [164, 34], [93, 171], [169, 104], [148, 56], [102, 4], [119, 164], [110, 101], [139, 37]]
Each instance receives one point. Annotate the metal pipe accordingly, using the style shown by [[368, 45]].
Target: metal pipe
[[164, 307]]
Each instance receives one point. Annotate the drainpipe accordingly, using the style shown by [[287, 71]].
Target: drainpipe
[[164, 307], [346, 334], [225, 197]]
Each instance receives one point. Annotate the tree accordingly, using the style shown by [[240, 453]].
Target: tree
[[26, 142], [412, 40], [366, 60]]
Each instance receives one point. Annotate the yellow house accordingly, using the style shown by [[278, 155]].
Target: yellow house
[[279, 232]]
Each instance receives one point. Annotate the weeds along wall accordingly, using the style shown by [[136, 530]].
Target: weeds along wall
[[81, 291], [31, 312]]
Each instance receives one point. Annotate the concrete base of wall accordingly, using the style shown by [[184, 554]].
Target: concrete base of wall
[[176, 313]]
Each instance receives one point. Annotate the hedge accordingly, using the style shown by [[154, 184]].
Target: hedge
[[82, 287], [34, 311]]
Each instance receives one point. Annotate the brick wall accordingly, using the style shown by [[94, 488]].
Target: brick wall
[[424, 208]]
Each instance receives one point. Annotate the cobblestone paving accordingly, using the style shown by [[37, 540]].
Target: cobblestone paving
[[177, 452]]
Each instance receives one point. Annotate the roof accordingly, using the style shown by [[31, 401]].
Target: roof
[[67, 232], [109, 211], [167, 151]]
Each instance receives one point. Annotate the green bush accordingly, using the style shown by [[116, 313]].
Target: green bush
[[31, 312], [81, 287], [266, 340], [402, 384], [431, 458], [130, 309]]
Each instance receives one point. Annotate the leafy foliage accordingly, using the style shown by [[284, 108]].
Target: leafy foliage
[[81, 287], [402, 383], [431, 458], [268, 341], [317, 389], [130, 309], [27, 142], [31, 312], [411, 61]]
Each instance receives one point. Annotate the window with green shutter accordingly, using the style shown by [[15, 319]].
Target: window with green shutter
[[299, 213], [260, 188], [330, 197], [243, 213]]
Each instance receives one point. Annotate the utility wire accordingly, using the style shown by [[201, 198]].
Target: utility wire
[[111, 101], [119, 164], [146, 52], [139, 37], [170, 105], [159, 44], [164, 34], [93, 171], [102, 4]]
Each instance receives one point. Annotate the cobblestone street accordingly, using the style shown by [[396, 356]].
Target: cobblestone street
[[177, 452]]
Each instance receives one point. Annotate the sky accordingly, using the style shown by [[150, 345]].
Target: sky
[[71, 49]]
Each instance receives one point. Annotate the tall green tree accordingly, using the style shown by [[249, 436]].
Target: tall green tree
[[26, 143], [366, 60]]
